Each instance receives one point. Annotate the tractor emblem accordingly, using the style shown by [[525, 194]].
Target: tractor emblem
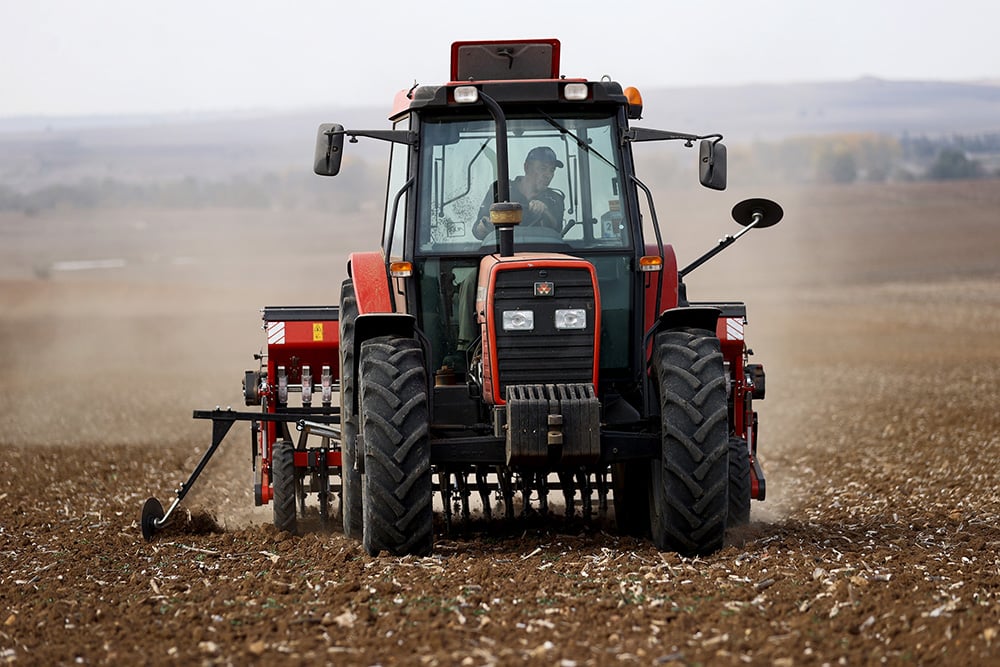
[[545, 288]]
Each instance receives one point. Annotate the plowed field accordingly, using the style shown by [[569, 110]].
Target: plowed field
[[875, 310]]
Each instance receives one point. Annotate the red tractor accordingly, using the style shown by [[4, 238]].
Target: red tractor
[[512, 336]]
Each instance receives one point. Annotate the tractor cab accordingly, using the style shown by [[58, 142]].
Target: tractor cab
[[580, 212]]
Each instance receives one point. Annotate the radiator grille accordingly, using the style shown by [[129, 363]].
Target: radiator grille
[[545, 355]]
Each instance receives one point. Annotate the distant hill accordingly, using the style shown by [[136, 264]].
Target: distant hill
[[771, 111], [139, 148]]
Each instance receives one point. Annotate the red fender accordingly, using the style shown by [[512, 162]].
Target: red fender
[[371, 282]]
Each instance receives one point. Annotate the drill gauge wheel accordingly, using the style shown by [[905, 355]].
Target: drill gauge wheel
[[152, 512]]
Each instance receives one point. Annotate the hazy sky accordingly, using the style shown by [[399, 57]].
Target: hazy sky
[[69, 57]]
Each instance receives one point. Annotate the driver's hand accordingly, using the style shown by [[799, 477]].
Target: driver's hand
[[536, 206]]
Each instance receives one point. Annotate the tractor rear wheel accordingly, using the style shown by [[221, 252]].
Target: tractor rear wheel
[[284, 484], [739, 483], [690, 482], [350, 475], [394, 420]]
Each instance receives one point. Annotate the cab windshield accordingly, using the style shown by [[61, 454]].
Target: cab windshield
[[564, 171]]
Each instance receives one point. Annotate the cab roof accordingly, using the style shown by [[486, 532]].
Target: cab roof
[[510, 71]]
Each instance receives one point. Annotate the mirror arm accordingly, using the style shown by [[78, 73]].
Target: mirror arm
[[396, 136], [637, 134]]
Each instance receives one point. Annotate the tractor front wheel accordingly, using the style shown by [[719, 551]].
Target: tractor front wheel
[[394, 420], [690, 482], [285, 486]]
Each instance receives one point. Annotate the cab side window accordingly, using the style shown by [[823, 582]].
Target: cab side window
[[393, 229]]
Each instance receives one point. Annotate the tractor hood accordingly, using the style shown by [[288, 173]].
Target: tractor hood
[[540, 319]]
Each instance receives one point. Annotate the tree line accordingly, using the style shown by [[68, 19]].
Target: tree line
[[848, 158], [839, 158], [261, 190]]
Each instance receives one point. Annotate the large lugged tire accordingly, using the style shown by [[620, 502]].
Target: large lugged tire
[[395, 413], [284, 484], [350, 476], [690, 483], [739, 483]]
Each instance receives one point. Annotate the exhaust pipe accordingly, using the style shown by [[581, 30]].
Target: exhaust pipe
[[505, 216]]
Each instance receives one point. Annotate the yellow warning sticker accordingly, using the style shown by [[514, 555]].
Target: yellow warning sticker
[[317, 331]]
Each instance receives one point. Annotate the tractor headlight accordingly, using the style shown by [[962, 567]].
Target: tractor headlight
[[518, 320], [575, 91], [571, 318], [466, 94]]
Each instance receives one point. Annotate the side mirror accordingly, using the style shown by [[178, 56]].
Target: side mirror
[[712, 164], [329, 149]]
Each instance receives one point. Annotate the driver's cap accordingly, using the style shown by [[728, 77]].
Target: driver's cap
[[543, 154]]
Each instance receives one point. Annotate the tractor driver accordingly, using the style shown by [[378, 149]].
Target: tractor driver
[[541, 205]]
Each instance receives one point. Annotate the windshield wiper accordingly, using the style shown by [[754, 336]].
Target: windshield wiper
[[579, 142]]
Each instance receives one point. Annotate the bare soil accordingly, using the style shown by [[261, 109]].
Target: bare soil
[[875, 310]]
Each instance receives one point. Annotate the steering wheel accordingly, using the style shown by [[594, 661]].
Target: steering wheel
[[529, 235]]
